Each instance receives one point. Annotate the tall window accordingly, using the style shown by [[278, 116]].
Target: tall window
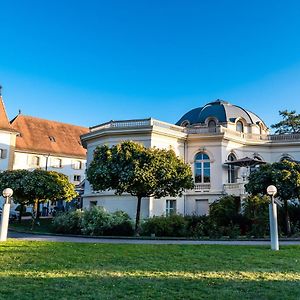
[[231, 169], [212, 126], [239, 126], [170, 207], [202, 168], [56, 163], [77, 165], [35, 161]]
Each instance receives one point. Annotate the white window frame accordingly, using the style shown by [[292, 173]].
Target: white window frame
[[171, 207], [56, 163], [202, 162]]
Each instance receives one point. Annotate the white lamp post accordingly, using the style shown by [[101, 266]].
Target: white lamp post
[[272, 191], [7, 193]]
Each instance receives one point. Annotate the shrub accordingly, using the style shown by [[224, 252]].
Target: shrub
[[170, 226], [119, 224], [68, 222], [95, 221], [225, 211], [198, 226], [256, 210]]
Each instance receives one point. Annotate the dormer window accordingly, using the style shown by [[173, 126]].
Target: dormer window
[[239, 126], [185, 123], [212, 125], [52, 139]]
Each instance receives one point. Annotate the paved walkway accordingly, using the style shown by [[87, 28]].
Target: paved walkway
[[49, 238]]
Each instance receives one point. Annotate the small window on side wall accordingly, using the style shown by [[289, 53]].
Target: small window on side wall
[[3, 153]]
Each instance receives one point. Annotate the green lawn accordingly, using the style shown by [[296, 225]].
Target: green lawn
[[40, 270]]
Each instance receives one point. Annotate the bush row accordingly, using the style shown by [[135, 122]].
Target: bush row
[[226, 218], [96, 221]]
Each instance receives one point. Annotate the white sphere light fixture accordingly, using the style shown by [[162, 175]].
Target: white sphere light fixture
[[272, 190], [7, 193]]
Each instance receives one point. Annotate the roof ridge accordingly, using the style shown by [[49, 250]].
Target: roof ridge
[[54, 121]]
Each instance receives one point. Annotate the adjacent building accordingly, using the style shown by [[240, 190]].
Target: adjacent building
[[221, 142], [28, 142]]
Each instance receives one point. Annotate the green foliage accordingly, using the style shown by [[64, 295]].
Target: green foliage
[[37, 185], [131, 168], [285, 176], [69, 222], [289, 124], [225, 211], [95, 221], [170, 226], [256, 210]]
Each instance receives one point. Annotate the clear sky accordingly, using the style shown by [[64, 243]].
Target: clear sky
[[87, 62]]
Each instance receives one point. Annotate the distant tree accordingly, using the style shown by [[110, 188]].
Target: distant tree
[[17, 181], [285, 176], [289, 124], [131, 168], [38, 186]]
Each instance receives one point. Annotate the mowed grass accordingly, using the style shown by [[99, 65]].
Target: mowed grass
[[45, 270]]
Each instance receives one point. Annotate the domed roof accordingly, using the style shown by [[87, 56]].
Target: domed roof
[[222, 111]]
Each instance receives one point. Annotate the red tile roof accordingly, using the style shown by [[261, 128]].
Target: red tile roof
[[4, 122], [44, 136]]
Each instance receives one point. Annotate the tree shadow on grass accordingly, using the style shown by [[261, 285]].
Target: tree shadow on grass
[[124, 287]]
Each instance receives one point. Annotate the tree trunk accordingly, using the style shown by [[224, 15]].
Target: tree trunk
[[287, 218], [21, 212], [35, 213], [138, 216]]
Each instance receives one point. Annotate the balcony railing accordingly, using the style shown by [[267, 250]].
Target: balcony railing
[[202, 187], [137, 124], [235, 189]]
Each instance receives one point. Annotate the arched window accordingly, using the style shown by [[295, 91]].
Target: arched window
[[185, 123], [212, 126], [202, 168], [239, 126], [231, 169], [285, 157]]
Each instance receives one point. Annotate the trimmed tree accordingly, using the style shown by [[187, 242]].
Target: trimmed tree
[[131, 168], [38, 186], [285, 176], [289, 124]]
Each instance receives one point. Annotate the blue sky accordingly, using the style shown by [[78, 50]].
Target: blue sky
[[87, 62]]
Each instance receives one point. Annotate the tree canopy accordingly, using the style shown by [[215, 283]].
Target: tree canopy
[[289, 124], [131, 168], [33, 187], [284, 175]]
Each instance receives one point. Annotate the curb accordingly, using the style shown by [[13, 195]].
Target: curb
[[148, 238]]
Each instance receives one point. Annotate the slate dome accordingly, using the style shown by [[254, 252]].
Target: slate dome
[[219, 110]]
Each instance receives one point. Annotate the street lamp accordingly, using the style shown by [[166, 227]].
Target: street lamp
[[272, 191], [7, 193]]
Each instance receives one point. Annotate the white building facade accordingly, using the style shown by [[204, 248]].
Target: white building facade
[[207, 138], [28, 142]]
